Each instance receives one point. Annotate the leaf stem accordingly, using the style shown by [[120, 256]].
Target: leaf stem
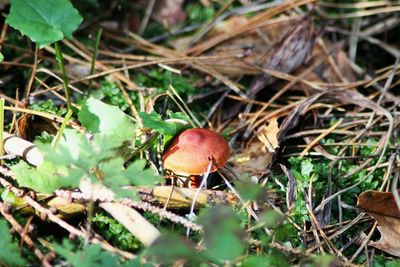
[[94, 57], [60, 59], [90, 212], [60, 132]]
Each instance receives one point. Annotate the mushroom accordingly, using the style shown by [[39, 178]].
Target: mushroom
[[191, 152]]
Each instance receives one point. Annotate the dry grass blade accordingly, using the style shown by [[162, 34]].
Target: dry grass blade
[[253, 23]]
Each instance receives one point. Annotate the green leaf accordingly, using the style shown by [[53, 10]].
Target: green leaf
[[248, 190], [155, 122], [8, 196], [115, 232], [169, 248], [138, 175], [275, 259], [76, 157], [1, 57], [306, 168], [98, 117], [44, 21], [9, 252], [86, 257], [270, 218], [325, 260], [222, 227], [46, 178]]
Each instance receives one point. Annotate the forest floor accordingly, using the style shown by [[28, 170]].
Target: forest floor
[[305, 93]]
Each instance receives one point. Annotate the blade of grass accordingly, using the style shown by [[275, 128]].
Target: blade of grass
[[94, 57], [60, 132], [60, 60], [1, 127], [175, 96]]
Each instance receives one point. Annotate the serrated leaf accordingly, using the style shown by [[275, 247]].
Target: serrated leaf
[[46, 178], [86, 257], [44, 21], [8, 196], [98, 117], [138, 175], [248, 191], [169, 248], [155, 122], [9, 252], [222, 227], [306, 168]]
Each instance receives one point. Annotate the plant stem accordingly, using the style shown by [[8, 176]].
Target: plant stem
[[60, 60], [94, 56], [1, 127], [60, 132], [90, 212]]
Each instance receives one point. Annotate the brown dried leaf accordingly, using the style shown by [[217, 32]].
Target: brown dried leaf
[[170, 11], [251, 45], [334, 68], [255, 160], [294, 49], [30, 126], [383, 208], [268, 135]]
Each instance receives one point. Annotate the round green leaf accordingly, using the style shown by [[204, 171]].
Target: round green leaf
[[44, 21]]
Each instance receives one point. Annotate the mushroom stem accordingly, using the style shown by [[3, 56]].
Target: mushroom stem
[[194, 181]]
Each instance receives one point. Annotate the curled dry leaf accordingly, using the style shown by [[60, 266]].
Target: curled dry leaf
[[294, 49], [170, 11], [383, 208], [268, 135], [30, 126], [255, 160], [239, 53], [333, 65]]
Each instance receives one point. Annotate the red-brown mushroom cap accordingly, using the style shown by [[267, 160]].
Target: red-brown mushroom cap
[[190, 152]]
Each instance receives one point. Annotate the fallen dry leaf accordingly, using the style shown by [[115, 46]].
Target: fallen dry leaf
[[238, 54], [30, 126], [335, 66], [170, 11], [383, 208], [268, 135], [294, 49], [254, 160]]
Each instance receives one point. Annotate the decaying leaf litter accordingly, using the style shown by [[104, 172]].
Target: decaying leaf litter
[[312, 124]]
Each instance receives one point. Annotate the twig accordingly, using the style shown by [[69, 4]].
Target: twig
[[144, 231], [18, 228], [146, 17], [31, 202], [138, 205]]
